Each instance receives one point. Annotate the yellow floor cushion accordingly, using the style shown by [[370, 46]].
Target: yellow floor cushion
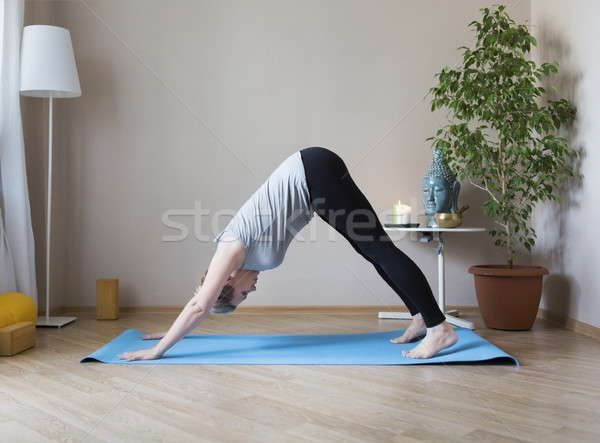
[[15, 308]]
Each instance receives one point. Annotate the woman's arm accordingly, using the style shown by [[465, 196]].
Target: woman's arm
[[228, 257]]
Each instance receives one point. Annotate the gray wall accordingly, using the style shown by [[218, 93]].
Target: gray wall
[[568, 32], [194, 103]]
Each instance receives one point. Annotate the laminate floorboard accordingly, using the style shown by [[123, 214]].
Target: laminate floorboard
[[46, 395]]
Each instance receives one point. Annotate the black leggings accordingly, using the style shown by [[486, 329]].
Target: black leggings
[[339, 202]]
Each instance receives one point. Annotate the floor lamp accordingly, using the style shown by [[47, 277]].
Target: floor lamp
[[48, 70]]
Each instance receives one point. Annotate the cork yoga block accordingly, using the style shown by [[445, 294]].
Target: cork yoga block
[[107, 299], [16, 338], [17, 323]]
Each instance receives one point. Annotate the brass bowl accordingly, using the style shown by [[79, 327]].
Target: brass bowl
[[447, 220]]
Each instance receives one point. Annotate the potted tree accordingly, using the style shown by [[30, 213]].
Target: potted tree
[[501, 138]]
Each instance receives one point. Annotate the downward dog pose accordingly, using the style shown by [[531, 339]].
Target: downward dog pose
[[311, 180]]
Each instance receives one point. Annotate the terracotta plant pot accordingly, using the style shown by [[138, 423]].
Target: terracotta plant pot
[[508, 298]]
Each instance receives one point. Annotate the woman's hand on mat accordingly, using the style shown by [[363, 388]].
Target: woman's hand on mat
[[155, 336], [144, 354]]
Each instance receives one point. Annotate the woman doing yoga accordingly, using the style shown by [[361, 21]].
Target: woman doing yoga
[[313, 180]]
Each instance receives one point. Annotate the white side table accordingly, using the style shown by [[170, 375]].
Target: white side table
[[429, 234]]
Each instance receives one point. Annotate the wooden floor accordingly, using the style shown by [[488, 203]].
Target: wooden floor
[[47, 395]]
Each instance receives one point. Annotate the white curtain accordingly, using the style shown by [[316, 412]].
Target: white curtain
[[8, 282], [17, 255]]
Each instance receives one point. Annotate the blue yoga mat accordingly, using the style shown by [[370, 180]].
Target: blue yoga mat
[[346, 349]]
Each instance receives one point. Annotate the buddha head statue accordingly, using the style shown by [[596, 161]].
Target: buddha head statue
[[440, 188]]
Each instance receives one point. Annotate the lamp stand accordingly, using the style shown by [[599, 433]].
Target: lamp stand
[[47, 321]]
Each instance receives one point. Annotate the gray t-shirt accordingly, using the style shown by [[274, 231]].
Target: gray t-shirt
[[267, 223]]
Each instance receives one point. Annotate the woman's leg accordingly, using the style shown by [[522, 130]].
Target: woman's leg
[[340, 203]]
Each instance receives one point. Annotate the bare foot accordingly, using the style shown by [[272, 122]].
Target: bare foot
[[416, 329], [439, 337]]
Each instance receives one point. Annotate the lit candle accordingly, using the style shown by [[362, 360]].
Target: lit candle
[[402, 213], [405, 210]]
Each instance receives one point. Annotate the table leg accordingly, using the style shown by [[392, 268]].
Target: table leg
[[441, 293]]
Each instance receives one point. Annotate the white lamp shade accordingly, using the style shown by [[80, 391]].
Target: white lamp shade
[[47, 63]]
